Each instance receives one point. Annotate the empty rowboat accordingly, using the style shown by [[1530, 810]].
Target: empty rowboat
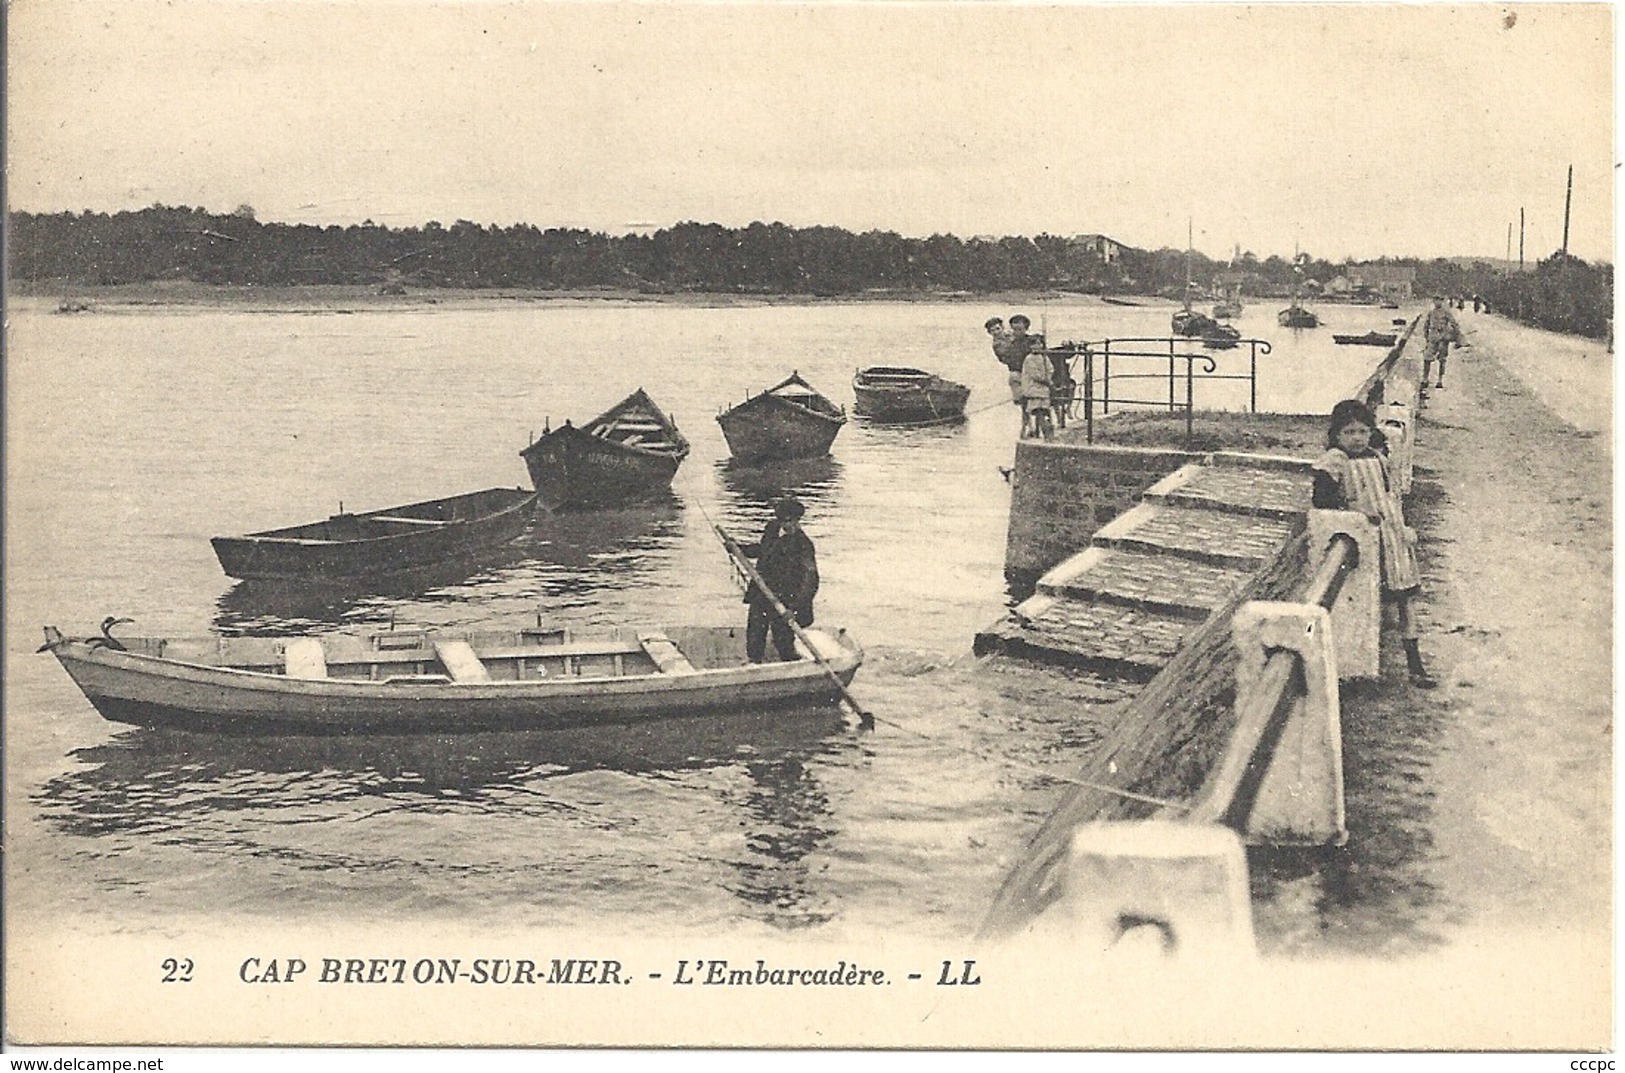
[[441, 681], [627, 454], [788, 420], [902, 395], [379, 542], [1386, 339]]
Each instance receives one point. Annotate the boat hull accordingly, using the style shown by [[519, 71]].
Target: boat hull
[[350, 546], [908, 396], [765, 428], [1382, 339], [573, 470], [138, 688]]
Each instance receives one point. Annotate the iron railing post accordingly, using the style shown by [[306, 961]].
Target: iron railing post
[[1089, 393], [1190, 396]]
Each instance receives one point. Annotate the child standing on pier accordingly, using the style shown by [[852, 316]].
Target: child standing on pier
[[1353, 475], [1036, 374]]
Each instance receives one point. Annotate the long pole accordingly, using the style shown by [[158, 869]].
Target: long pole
[[1520, 238], [742, 561], [1568, 199]]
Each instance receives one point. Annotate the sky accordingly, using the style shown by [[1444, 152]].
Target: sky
[[1348, 130]]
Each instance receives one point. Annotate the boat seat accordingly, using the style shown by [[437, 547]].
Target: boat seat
[[825, 646], [303, 657], [667, 656], [460, 661], [405, 520]]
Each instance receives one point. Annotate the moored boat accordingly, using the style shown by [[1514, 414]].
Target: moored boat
[[442, 681], [788, 420], [379, 542], [904, 395], [1368, 339], [1296, 316], [627, 454], [1191, 322]]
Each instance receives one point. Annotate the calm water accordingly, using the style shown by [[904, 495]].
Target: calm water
[[135, 435]]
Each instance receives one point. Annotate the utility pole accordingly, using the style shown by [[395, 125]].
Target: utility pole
[[1520, 238], [1568, 199]]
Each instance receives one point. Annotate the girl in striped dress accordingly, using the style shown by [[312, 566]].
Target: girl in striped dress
[[1353, 475]]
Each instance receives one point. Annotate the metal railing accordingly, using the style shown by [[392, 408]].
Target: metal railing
[[1093, 375]]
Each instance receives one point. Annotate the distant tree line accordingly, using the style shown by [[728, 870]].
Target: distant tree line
[[180, 243]]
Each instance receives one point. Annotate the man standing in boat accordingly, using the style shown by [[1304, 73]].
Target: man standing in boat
[[788, 565]]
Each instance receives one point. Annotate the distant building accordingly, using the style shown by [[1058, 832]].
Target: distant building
[[1389, 281], [1108, 250]]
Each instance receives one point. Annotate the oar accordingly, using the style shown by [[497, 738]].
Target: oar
[[865, 718]]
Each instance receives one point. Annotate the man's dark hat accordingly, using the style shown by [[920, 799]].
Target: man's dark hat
[[789, 509]]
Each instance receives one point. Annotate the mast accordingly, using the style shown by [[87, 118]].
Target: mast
[[1190, 241], [1568, 199]]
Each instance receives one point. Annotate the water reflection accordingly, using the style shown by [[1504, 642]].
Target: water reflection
[[586, 540], [813, 479], [158, 779], [271, 606], [789, 813]]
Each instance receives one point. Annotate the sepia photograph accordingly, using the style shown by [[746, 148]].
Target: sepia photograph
[[808, 526]]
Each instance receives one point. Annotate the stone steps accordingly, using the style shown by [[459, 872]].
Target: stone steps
[[1122, 606]]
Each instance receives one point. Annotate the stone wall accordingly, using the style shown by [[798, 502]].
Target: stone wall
[[1061, 493]]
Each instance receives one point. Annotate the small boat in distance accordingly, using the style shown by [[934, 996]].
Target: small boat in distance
[[439, 682], [1296, 316], [1191, 323], [1372, 338], [788, 420], [379, 542], [627, 454], [899, 394]]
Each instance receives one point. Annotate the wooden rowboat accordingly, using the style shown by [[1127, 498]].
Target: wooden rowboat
[[379, 542], [1368, 339], [440, 681], [788, 420], [899, 394], [627, 454]]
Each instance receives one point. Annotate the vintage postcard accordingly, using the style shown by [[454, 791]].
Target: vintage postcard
[[809, 525]]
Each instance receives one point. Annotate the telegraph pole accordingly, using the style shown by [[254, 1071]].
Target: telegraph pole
[[1568, 199], [1520, 238]]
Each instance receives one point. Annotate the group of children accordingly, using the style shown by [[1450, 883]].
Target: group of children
[[1040, 380]]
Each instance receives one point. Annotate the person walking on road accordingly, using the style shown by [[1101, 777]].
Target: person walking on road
[[1439, 331], [1353, 475]]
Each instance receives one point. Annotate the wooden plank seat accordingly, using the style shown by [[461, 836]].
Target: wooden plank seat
[[405, 520], [460, 661], [666, 655], [303, 657]]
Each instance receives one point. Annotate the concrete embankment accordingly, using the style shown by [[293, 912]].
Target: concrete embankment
[[1478, 813]]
